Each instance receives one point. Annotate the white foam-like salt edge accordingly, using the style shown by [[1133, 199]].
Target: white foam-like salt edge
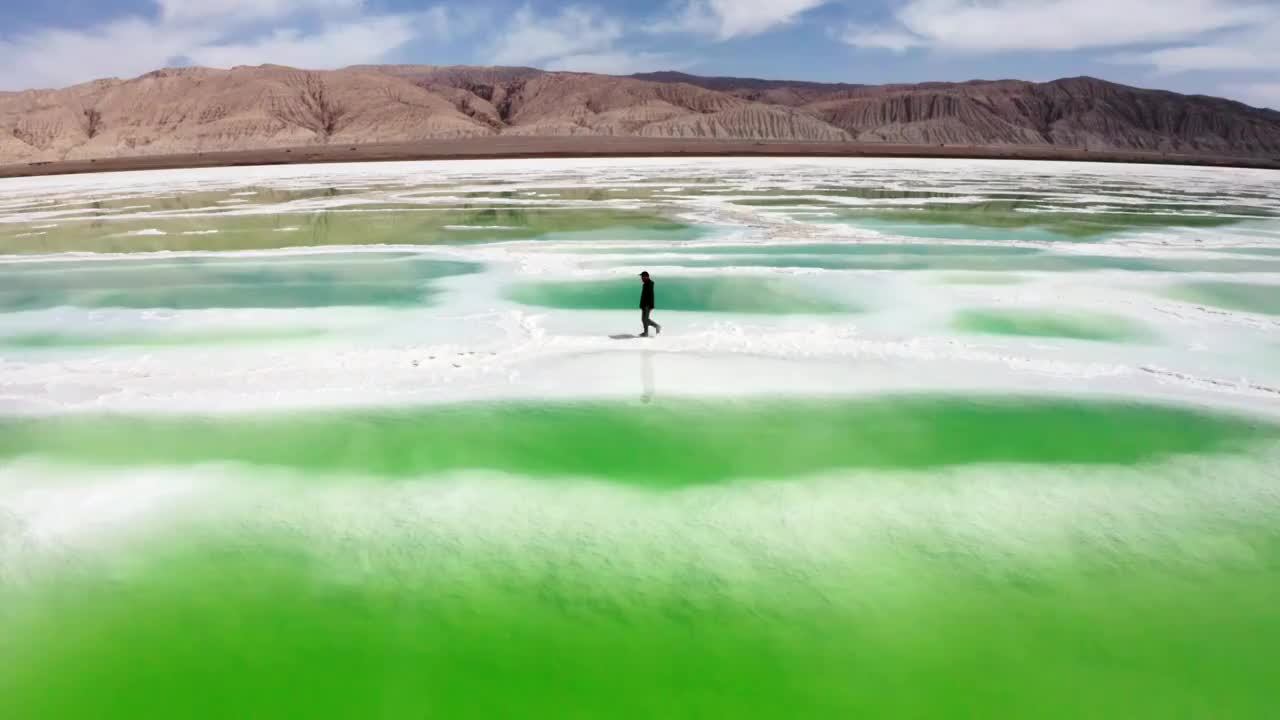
[[526, 357], [772, 173], [1147, 246], [514, 357], [1175, 513], [533, 354], [998, 173]]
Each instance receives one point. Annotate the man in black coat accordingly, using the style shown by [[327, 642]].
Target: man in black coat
[[646, 305]]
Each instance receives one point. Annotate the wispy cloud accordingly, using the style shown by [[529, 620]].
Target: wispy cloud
[[728, 19], [181, 11], [1039, 25], [213, 32], [127, 47], [334, 45], [1235, 39], [530, 38], [1260, 94], [577, 38], [881, 39], [1256, 49]]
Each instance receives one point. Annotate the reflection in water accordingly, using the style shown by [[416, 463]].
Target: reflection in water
[[646, 376]]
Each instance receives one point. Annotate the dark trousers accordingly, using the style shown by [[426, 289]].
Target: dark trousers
[[644, 318]]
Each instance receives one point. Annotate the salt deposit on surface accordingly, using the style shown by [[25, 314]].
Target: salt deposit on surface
[[473, 342]]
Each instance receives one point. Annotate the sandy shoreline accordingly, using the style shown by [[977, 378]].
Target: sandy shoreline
[[578, 146]]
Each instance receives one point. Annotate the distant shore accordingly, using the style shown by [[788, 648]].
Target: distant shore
[[596, 146]]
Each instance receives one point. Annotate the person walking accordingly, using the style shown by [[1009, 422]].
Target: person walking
[[646, 305]]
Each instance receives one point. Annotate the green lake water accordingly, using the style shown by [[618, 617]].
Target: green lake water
[[976, 260], [713, 294], [1029, 221], [684, 443], [1255, 298], [360, 225], [196, 283], [334, 571], [1028, 323], [920, 439]]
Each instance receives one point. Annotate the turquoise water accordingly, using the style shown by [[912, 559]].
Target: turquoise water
[[1256, 298], [199, 283], [725, 294], [999, 259], [1075, 326], [1014, 221]]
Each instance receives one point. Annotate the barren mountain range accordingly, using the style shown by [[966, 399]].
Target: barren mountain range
[[202, 110]]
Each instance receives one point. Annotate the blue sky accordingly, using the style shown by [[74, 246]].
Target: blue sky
[[1218, 47]]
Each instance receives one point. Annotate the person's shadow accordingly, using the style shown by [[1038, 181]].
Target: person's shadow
[[624, 336]]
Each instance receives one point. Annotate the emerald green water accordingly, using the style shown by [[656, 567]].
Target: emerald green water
[[226, 494], [216, 627], [1014, 557], [59, 340], [1248, 297], [196, 283], [1036, 261], [710, 294], [862, 249], [1029, 323], [1028, 221], [364, 225], [1263, 251], [685, 443]]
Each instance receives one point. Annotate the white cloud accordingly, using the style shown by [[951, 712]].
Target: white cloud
[[336, 45], [1262, 94], [880, 39], [577, 39], [727, 19], [183, 11], [531, 39], [1239, 39], [997, 25], [128, 47], [1249, 59], [210, 32], [1257, 48], [616, 62], [1191, 58]]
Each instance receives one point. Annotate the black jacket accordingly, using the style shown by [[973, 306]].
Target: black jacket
[[646, 295]]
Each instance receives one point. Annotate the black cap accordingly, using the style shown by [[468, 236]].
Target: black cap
[[644, 273]]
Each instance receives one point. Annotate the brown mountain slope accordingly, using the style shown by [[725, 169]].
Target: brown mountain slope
[[1077, 112], [194, 110], [781, 92]]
